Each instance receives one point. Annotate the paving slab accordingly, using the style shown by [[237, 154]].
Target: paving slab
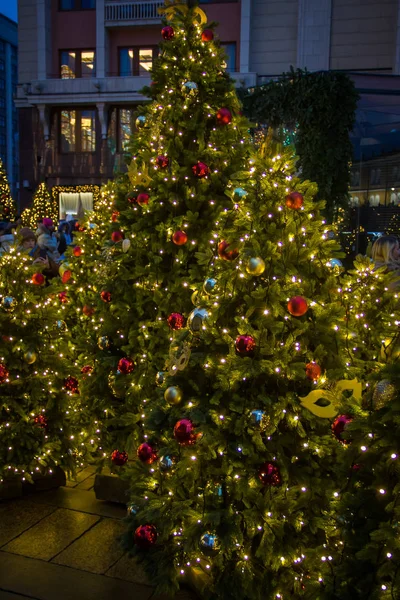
[[81, 476], [48, 581], [51, 535], [129, 569], [12, 596], [17, 516], [87, 484], [96, 550], [81, 501]]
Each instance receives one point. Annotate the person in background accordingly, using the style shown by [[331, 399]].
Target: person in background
[[26, 239], [386, 253], [65, 237], [7, 238], [47, 240]]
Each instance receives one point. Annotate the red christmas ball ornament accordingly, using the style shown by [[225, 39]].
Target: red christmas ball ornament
[[66, 276], [114, 216], [297, 306], [63, 298], [176, 321], [77, 251], [226, 254], [224, 116], [41, 421], [145, 536], [207, 35], [180, 238], [167, 33], [201, 170], [105, 296], [313, 371], [142, 198], [338, 427], [119, 458], [146, 453], [38, 279], [184, 432], [245, 345], [294, 200], [87, 370], [162, 161], [269, 474], [71, 384], [87, 310], [131, 199], [3, 373], [79, 227], [117, 236], [126, 366]]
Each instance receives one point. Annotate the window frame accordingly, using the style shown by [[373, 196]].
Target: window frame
[[78, 62], [78, 130], [136, 62], [77, 6], [234, 44]]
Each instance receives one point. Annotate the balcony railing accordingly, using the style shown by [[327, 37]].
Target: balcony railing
[[124, 12]]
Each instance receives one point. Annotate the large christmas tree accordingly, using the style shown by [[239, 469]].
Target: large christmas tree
[[190, 154], [42, 421], [7, 205]]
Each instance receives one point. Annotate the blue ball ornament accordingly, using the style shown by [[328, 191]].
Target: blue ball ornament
[[239, 193], [209, 285]]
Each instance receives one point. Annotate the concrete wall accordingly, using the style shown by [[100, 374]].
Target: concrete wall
[[27, 41], [363, 34], [273, 46]]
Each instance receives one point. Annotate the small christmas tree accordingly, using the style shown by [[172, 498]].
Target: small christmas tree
[[43, 206], [7, 205], [42, 421]]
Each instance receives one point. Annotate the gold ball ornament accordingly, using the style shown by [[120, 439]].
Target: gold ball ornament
[[390, 350], [255, 266], [117, 384], [30, 357], [384, 392], [197, 320], [195, 297], [103, 342], [173, 394]]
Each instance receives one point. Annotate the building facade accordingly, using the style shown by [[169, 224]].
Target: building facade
[[8, 112], [83, 62]]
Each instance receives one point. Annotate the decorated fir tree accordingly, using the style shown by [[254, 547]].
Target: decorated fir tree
[[7, 205], [190, 157], [42, 421], [43, 206]]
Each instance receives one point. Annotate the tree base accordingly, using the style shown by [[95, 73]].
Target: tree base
[[13, 488], [111, 488]]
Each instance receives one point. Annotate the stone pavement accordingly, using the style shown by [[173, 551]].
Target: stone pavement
[[62, 545]]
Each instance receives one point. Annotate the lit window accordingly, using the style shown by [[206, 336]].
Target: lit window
[[77, 63], [87, 63], [125, 127], [230, 51], [145, 61], [135, 61], [78, 131], [68, 65]]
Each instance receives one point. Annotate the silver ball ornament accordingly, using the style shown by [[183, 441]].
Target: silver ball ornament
[[140, 121], [103, 342], [61, 325], [255, 266], [166, 462], [173, 394], [239, 193], [209, 285], [209, 544], [30, 357], [160, 378], [197, 320], [190, 86], [8, 303]]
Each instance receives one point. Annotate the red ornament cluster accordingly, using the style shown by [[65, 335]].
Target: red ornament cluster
[[200, 170], [245, 345], [313, 371], [145, 536], [38, 279], [162, 161], [117, 236], [226, 254], [105, 296], [142, 198], [126, 366], [176, 321], [119, 458], [180, 238], [269, 474], [114, 216], [3, 373], [87, 370], [207, 35], [167, 33], [146, 453], [71, 384], [41, 421], [297, 306], [77, 251], [294, 200], [224, 116], [339, 426], [184, 432], [63, 298], [87, 310]]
